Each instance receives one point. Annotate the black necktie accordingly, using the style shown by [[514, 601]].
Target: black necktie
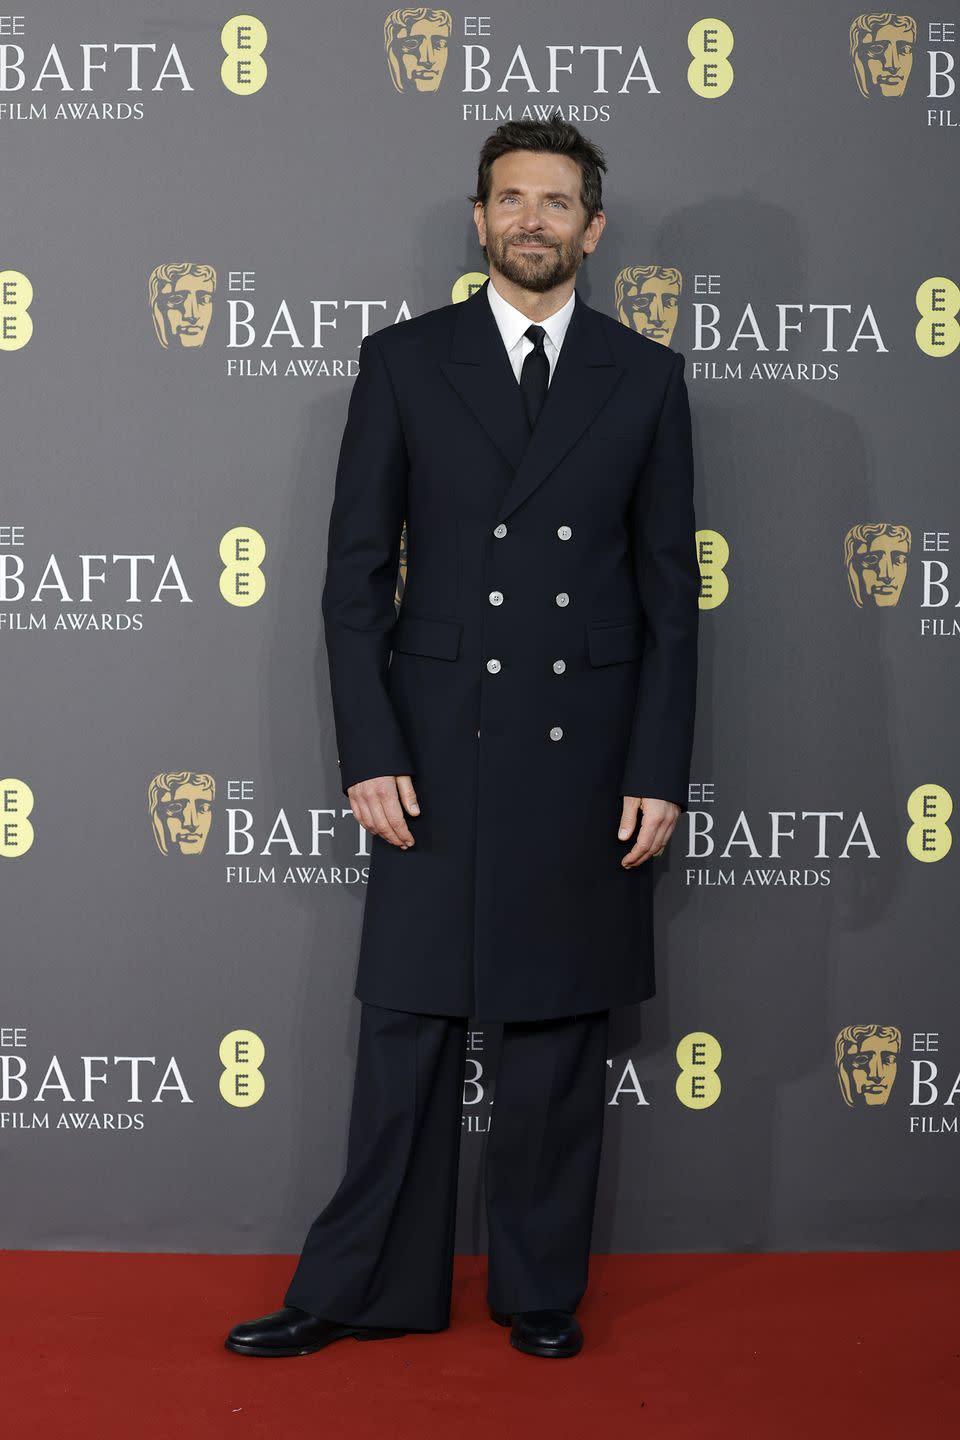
[[535, 374]]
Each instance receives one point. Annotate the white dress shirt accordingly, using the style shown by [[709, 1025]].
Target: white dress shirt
[[512, 323]]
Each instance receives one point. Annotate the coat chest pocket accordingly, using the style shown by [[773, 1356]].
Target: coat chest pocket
[[608, 643], [420, 635]]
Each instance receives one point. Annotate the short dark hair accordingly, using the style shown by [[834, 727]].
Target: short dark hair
[[557, 137]]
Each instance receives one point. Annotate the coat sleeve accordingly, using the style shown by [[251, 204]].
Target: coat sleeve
[[363, 557], [668, 579]]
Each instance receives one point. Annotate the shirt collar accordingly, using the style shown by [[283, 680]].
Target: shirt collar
[[512, 322]]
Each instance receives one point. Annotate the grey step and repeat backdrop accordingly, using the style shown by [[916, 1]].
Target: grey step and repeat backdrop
[[203, 215]]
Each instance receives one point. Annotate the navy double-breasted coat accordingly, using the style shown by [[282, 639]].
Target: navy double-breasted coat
[[542, 664]]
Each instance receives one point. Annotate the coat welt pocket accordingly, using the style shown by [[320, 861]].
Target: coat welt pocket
[[607, 643], [420, 635]]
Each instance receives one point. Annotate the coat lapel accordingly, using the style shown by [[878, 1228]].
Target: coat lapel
[[481, 373]]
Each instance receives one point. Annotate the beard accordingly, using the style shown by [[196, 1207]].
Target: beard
[[539, 270]]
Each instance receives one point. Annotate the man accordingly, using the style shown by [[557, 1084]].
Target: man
[[538, 701]]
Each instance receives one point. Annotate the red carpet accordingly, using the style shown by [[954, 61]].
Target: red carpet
[[757, 1347]]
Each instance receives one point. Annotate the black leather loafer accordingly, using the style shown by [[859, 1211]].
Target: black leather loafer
[[543, 1332], [292, 1331]]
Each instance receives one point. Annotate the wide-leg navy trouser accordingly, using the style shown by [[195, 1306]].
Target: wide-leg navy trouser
[[381, 1251]]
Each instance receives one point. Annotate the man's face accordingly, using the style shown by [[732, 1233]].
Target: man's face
[[882, 566], [886, 60], [187, 813], [872, 1068], [533, 224], [421, 52], [186, 307]]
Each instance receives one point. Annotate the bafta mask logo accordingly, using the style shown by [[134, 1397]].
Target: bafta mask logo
[[181, 303], [867, 1063], [647, 299], [875, 559], [881, 48], [181, 809], [417, 43]]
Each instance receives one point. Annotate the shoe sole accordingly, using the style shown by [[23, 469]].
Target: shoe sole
[[284, 1352], [549, 1352]]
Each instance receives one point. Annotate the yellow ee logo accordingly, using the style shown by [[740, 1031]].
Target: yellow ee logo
[[938, 332], [929, 837], [710, 73], [244, 70], [242, 582], [241, 1055], [466, 286], [698, 1084], [713, 552], [16, 832], [16, 323]]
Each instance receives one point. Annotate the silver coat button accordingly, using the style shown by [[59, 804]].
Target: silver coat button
[[564, 532], [493, 666], [500, 531], [556, 733], [559, 666], [563, 598], [495, 597]]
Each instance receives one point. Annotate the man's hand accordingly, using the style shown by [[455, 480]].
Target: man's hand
[[658, 824], [376, 804]]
